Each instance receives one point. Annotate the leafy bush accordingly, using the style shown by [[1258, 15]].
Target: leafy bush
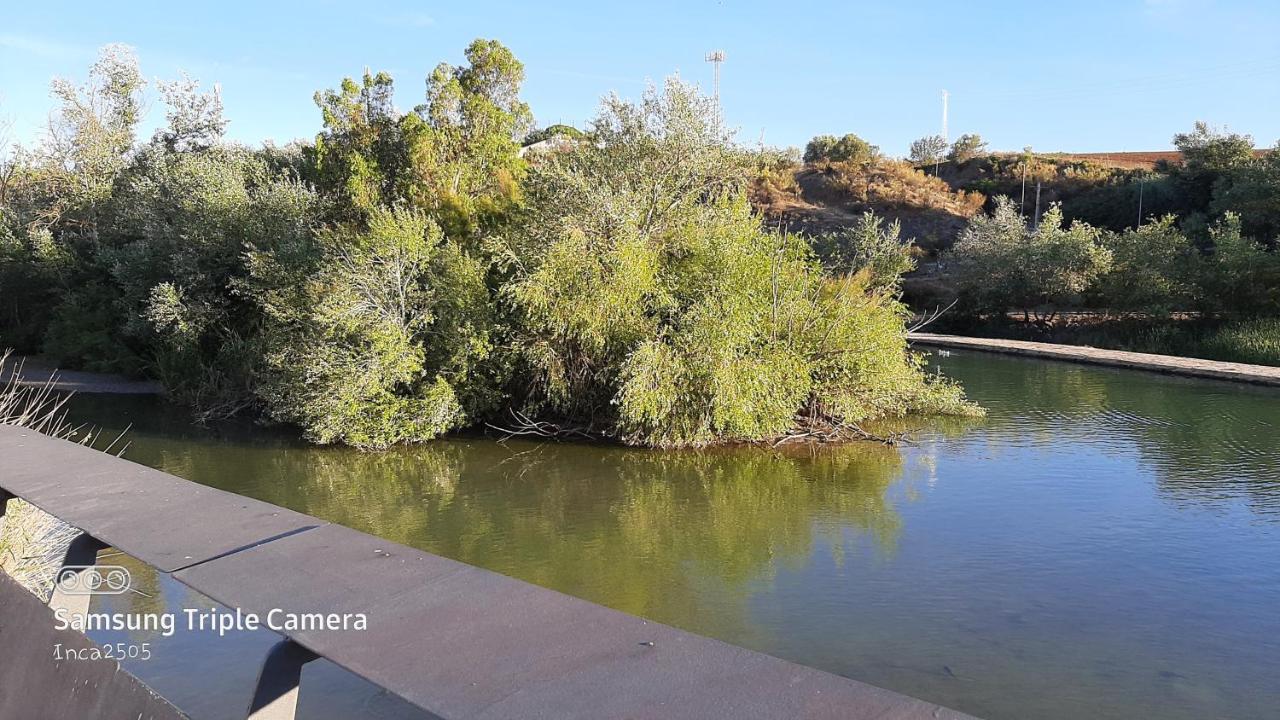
[[375, 336], [870, 247], [1240, 275], [849, 148], [653, 304], [1153, 269], [408, 274], [966, 148], [1000, 263], [928, 150]]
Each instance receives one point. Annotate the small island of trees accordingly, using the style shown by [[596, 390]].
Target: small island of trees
[[407, 274]]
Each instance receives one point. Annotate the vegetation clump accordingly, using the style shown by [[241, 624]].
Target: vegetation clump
[[966, 148], [652, 301], [1000, 262], [845, 149], [409, 273]]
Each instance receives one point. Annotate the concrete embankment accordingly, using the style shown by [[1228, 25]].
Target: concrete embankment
[[1193, 367]]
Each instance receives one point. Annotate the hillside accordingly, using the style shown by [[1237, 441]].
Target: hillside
[[818, 197], [828, 197]]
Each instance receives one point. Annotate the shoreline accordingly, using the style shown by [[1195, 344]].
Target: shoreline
[[1166, 364], [34, 372]]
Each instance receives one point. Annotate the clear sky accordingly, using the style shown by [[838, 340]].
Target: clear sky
[[1074, 76]]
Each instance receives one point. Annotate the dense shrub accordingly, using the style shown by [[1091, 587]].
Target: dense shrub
[[375, 336], [1153, 269], [848, 148], [1000, 262], [1240, 275], [407, 274], [653, 303], [1251, 189], [868, 247], [966, 148]]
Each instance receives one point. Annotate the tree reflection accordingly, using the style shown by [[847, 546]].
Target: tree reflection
[[1206, 442], [655, 533]]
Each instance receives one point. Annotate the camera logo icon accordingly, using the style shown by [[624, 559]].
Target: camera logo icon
[[94, 580]]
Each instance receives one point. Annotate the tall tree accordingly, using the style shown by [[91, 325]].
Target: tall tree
[[463, 143], [89, 137], [359, 152], [928, 150]]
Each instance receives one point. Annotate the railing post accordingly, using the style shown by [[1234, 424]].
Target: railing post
[[276, 695], [5, 496], [68, 592]]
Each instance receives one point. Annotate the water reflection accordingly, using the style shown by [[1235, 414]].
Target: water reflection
[[1104, 544], [669, 536], [1208, 443]]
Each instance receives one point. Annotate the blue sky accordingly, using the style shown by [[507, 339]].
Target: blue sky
[[1073, 76]]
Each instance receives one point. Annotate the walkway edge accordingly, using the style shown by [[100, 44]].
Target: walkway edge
[[1168, 364]]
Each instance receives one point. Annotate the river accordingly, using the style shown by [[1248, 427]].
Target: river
[[1105, 544]]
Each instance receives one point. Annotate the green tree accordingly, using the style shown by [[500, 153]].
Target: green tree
[[1208, 155], [55, 194], [546, 133], [1252, 190], [375, 336], [360, 152], [966, 148], [848, 148], [456, 156], [1153, 269], [1240, 275], [928, 150], [1000, 264], [195, 120], [654, 306], [1206, 149], [463, 144]]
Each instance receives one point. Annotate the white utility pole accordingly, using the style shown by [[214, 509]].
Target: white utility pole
[[944, 116], [1026, 158]]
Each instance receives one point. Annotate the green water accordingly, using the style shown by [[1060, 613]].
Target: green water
[[1106, 544]]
